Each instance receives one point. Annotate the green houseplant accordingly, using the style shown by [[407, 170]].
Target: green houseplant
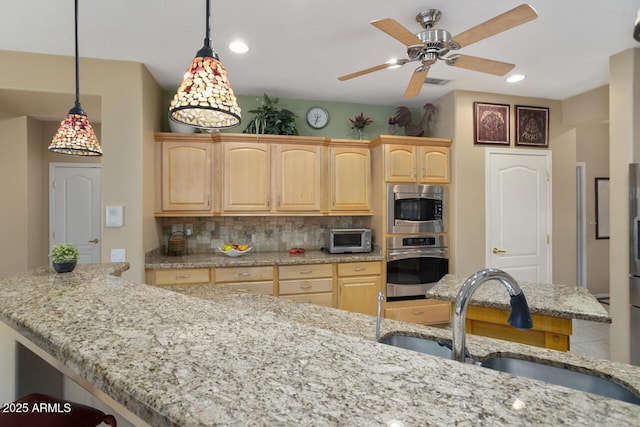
[[64, 257], [270, 119]]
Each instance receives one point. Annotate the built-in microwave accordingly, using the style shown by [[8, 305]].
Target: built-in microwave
[[348, 240], [417, 208]]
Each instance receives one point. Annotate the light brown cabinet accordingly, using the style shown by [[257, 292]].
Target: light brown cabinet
[[178, 276], [358, 286], [426, 312], [311, 283], [259, 177], [186, 176], [257, 279], [350, 179], [416, 164]]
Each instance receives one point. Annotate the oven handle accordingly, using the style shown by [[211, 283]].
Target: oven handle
[[417, 253]]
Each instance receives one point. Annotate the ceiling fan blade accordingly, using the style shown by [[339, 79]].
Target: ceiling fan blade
[[416, 82], [397, 31], [510, 19], [366, 71], [483, 65]]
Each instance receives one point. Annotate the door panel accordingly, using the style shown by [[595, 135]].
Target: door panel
[[75, 208], [519, 213]]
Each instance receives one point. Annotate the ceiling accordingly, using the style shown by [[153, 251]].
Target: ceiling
[[299, 48]]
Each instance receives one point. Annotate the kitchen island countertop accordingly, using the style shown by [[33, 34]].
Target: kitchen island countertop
[[228, 357], [556, 300]]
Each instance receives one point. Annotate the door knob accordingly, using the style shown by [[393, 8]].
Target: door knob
[[94, 241], [498, 251]]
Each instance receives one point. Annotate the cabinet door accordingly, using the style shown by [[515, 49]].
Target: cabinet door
[[400, 163], [247, 176], [359, 294], [186, 176], [297, 177], [434, 165], [350, 177]]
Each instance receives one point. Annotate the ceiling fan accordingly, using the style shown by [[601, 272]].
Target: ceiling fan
[[430, 45]]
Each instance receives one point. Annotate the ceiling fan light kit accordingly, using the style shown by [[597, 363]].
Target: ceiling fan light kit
[[432, 45]]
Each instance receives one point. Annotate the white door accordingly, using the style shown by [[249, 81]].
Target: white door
[[74, 208], [518, 213]]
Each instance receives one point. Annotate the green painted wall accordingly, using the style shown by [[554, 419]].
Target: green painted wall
[[339, 114]]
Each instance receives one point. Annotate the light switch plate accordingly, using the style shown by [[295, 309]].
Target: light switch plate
[[118, 255]]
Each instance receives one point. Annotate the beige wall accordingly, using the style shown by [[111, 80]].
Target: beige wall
[[593, 149], [468, 173], [131, 105]]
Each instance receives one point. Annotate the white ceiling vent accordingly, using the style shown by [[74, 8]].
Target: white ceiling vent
[[439, 82]]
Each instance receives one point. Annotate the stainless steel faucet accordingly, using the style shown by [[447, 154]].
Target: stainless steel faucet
[[520, 317]]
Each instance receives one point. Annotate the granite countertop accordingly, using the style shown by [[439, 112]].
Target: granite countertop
[[557, 300], [207, 260], [208, 355]]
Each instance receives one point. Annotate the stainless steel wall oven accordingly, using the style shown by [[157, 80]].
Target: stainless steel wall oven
[[414, 264], [415, 208]]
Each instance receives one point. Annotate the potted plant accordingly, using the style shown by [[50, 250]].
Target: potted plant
[[270, 119], [64, 257]]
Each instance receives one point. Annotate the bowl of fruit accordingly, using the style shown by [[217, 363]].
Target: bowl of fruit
[[234, 250]]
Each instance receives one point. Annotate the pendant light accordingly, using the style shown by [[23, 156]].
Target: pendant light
[[204, 99], [75, 135]]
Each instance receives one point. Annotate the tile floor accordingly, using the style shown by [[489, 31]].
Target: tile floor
[[591, 338]]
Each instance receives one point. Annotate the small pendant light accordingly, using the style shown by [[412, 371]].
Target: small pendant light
[[75, 135], [204, 99]]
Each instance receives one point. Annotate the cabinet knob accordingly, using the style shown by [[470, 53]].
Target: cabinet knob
[[186, 276], [359, 269], [306, 271]]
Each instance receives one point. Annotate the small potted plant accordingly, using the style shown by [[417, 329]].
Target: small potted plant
[[64, 257]]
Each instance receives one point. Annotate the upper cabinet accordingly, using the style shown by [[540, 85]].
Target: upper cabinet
[[238, 174], [186, 178], [415, 160], [246, 177], [259, 177], [349, 179]]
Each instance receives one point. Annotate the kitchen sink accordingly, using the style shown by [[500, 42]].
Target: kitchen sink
[[562, 376], [422, 345]]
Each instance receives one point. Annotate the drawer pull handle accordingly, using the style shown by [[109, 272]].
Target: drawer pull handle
[[244, 274], [306, 271], [306, 286], [359, 269], [418, 313], [186, 276]]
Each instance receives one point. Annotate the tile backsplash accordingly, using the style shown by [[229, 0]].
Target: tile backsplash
[[263, 233]]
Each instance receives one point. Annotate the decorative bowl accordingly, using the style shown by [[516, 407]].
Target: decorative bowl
[[234, 252]]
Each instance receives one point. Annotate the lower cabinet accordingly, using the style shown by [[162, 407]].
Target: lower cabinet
[[351, 286], [358, 286], [548, 332], [426, 311], [311, 283], [256, 279]]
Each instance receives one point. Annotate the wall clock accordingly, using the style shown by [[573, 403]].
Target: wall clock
[[317, 117]]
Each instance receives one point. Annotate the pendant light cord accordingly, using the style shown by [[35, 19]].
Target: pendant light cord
[[77, 109], [207, 50]]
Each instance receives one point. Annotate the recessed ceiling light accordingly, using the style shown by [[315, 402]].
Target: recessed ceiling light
[[238, 47], [515, 78]]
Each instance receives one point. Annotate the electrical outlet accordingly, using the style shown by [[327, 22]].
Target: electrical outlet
[[188, 229], [118, 255], [176, 227]]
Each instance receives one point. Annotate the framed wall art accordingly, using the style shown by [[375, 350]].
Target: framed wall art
[[532, 126], [490, 123]]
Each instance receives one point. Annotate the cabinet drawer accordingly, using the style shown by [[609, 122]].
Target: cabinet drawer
[[178, 276], [306, 286], [325, 299], [261, 287], [243, 274], [367, 268], [425, 312], [305, 271]]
